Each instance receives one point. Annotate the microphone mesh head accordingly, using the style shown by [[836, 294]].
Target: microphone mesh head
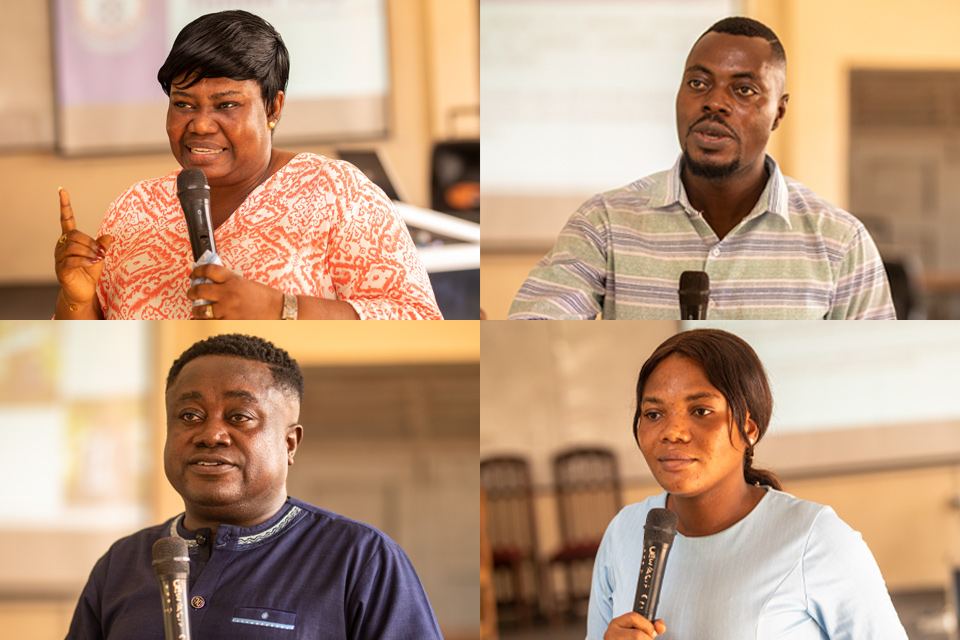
[[661, 525], [170, 556], [191, 179]]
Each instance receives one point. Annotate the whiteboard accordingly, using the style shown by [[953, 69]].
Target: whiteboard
[[577, 97]]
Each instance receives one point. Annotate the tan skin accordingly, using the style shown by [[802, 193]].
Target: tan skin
[[221, 126], [696, 455], [730, 100], [228, 410]]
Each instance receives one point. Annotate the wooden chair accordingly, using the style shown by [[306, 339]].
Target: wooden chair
[[587, 485], [512, 533], [488, 599]]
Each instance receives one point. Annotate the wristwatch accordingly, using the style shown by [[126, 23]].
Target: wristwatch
[[289, 307]]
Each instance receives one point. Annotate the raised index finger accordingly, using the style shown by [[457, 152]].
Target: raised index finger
[[67, 221]]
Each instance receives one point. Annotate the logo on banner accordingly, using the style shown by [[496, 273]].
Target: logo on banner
[[111, 19]]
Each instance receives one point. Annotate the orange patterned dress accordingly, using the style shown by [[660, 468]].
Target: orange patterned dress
[[317, 227]]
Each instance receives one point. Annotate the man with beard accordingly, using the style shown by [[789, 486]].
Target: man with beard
[[772, 248]]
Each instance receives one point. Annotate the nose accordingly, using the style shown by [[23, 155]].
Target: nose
[[213, 433], [675, 430], [202, 123], [716, 101]]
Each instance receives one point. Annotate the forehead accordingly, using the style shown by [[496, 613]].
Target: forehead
[[209, 86], [213, 374], [726, 54], [677, 374]]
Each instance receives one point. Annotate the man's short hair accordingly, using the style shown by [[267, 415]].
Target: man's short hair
[[286, 372], [741, 26]]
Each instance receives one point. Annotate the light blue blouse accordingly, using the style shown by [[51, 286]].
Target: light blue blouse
[[790, 570]]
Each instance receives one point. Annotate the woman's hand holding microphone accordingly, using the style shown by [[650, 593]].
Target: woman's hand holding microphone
[[633, 626]]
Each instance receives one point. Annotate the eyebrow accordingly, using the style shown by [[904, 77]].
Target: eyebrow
[[239, 393], [742, 74], [215, 96], [691, 398]]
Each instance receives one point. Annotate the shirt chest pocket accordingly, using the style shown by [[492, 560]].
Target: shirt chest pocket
[[257, 622]]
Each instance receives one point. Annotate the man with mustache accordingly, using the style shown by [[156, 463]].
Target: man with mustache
[[772, 248]]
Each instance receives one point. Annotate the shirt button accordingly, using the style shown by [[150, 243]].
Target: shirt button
[[716, 251], [713, 304], [201, 540], [197, 602]]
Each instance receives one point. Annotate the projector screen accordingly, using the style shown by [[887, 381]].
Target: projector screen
[[578, 97], [107, 53]]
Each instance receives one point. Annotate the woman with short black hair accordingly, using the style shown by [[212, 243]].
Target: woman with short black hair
[[300, 235], [748, 561]]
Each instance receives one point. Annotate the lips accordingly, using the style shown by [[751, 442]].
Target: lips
[[712, 133], [673, 461], [210, 465], [202, 151]]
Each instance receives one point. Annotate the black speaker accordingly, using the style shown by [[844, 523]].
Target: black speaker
[[455, 179]]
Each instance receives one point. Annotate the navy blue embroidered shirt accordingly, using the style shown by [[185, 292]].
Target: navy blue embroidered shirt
[[304, 574]]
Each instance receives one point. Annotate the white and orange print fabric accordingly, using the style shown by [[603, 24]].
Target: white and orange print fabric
[[317, 227]]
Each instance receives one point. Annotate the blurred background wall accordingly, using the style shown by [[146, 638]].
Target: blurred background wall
[[883, 147], [390, 420], [851, 429], [434, 97]]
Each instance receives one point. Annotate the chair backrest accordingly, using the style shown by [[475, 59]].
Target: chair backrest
[[904, 288], [510, 515], [587, 483]]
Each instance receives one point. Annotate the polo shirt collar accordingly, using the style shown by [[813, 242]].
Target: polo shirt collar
[[773, 199]]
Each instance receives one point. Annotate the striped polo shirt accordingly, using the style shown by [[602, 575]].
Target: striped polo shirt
[[794, 257]]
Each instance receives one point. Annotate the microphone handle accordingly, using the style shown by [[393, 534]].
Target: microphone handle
[[199, 226], [651, 578], [173, 596], [693, 312]]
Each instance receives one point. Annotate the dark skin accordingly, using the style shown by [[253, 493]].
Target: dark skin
[[730, 100], [696, 455], [232, 433], [222, 127]]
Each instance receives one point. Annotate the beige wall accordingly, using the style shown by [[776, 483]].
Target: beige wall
[[434, 64], [824, 41]]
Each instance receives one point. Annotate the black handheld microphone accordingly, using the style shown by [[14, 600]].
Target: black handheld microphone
[[658, 536], [171, 563], [694, 295], [194, 195]]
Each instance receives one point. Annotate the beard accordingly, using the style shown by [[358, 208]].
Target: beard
[[710, 171]]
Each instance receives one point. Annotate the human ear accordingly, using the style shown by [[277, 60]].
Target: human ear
[[276, 107], [293, 438], [781, 110], [752, 431]]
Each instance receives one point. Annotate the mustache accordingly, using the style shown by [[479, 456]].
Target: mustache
[[710, 117]]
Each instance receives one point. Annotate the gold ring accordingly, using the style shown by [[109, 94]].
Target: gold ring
[[208, 312], [62, 239]]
